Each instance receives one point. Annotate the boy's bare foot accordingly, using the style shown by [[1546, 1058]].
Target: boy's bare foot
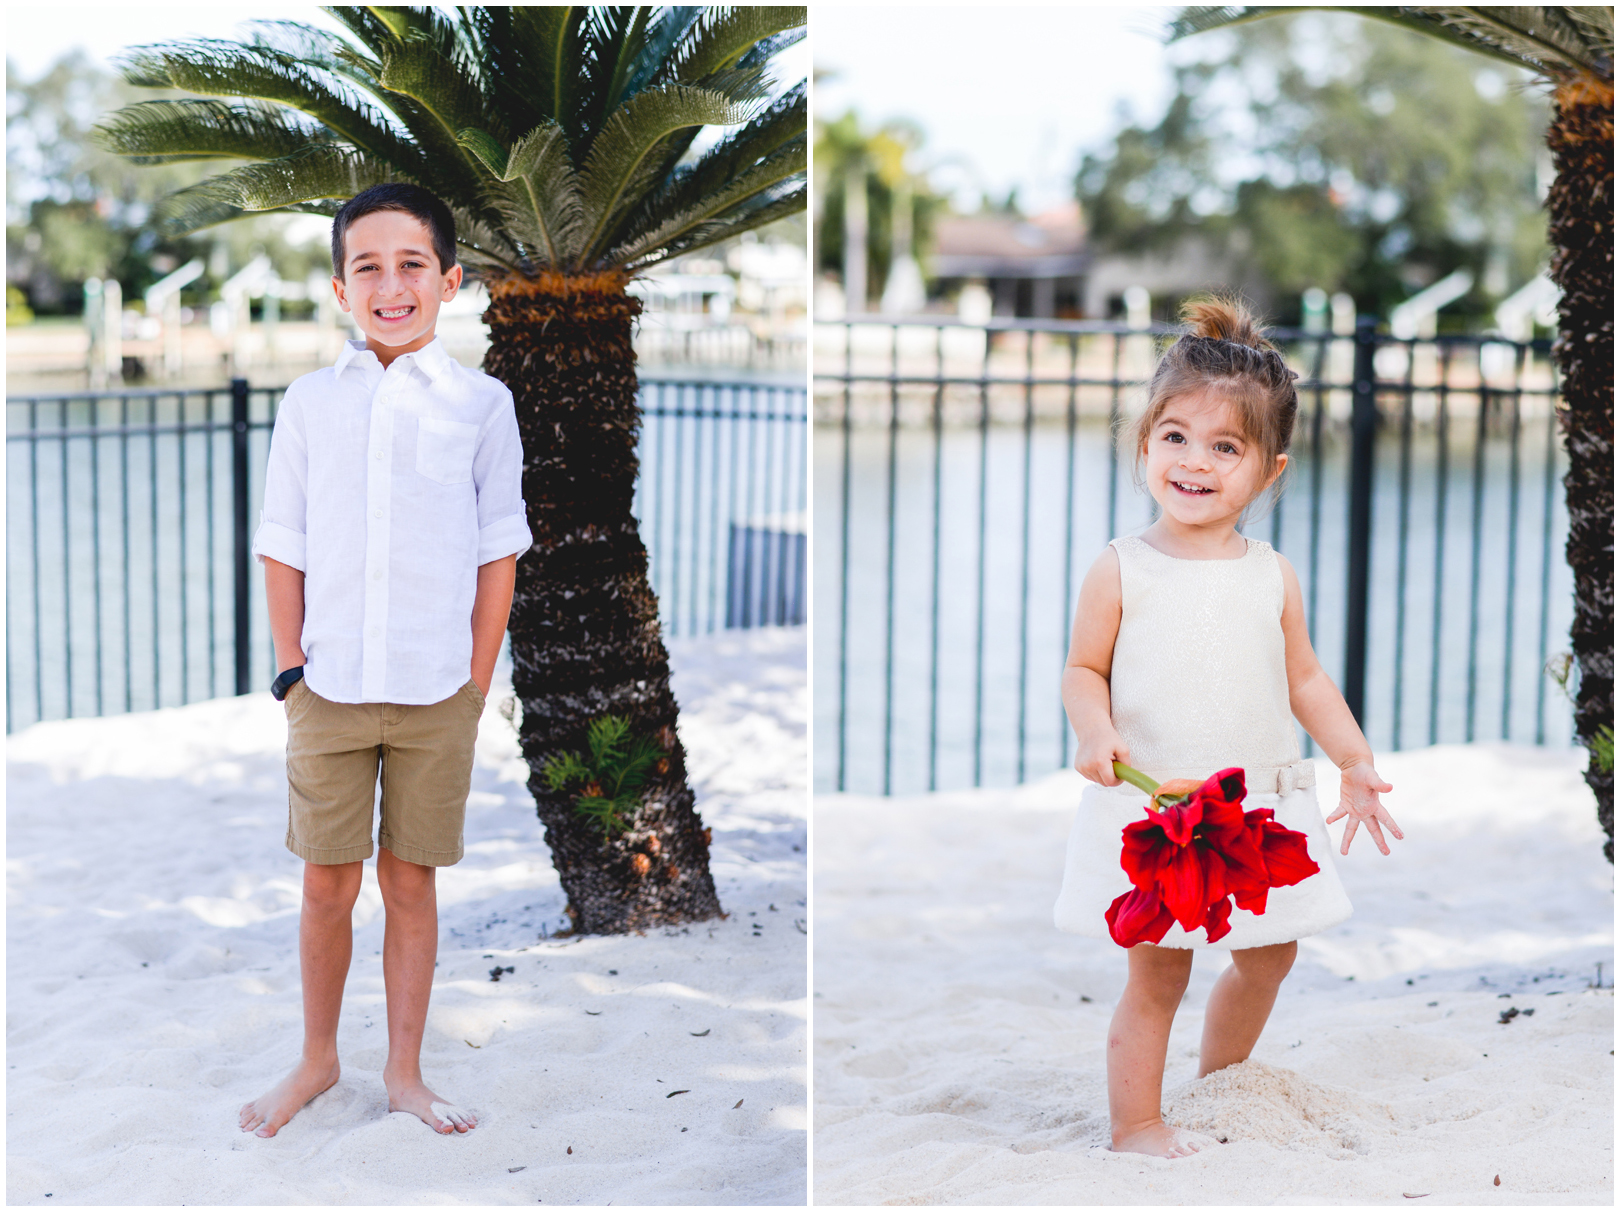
[[414, 1097], [275, 1108], [1160, 1139]]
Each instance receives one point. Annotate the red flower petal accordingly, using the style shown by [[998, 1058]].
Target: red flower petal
[[1255, 901], [1285, 855], [1179, 820], [1217, 920], [1146, 849], [1231, 784], [1182, 886], [1137, 916]]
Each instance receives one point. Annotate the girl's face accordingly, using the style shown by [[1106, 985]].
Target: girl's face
[[1199, 467]]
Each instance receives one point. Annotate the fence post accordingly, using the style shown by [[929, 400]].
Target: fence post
[[238, 483], [1360, 477]]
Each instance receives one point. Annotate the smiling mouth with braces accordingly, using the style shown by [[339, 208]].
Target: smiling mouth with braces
[[393, 314], [1190, 489]]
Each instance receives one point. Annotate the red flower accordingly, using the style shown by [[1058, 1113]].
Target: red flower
[[1138, 916], [1188, 859]]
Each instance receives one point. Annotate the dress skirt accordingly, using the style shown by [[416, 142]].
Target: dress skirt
[[1094, 875]]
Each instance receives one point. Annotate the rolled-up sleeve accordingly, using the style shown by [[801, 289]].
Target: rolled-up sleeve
[[502, 516], [282, 523]]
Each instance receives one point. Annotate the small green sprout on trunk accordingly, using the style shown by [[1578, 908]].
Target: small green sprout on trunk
[[606, 783], [1600, 749]]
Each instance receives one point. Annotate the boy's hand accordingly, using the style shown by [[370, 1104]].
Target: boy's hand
[[1095, 758], [1361, 803]]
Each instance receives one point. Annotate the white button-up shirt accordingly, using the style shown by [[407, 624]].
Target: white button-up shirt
[[388, 488]]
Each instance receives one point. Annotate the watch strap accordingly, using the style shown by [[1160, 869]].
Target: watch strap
[[284, 681]]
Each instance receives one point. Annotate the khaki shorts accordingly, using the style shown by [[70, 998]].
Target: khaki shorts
[[334, 753]]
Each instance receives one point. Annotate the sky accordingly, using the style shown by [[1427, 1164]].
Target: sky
[[1007, 95], [36, 34]]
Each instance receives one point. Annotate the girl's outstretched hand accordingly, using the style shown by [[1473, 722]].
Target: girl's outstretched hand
[[1096, 756], [1361, 803]]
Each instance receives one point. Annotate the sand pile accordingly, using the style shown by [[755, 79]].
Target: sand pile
[[1273, 1105], [153, 978]]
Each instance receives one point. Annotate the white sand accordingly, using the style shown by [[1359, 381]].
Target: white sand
[[959, 1039], [153, 978]]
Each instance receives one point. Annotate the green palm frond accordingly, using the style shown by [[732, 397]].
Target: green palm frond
[[559, 136], [622, 42], [725, 34], [767, 48], [318, 172], [712, 205], [230, 69], [483, 247], [316, 47], [428, 69], [615, 176], [756, 212], [1549, 41], [366, 24], [684, 187], [765, 134], [547, 38], [546, 200], [161, 132]]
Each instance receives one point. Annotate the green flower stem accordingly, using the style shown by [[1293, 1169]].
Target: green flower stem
[[1135, 777]]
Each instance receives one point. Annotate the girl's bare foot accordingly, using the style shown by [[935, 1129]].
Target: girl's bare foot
[[275, 1108], [414, 1097], [1159, 1139]]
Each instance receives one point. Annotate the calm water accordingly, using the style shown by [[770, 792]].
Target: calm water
[[119, 548], [963, 559]]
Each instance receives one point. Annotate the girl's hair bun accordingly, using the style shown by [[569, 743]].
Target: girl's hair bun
[[1227, 320]]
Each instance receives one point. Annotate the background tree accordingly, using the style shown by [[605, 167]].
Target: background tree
[[1570, 49], [75, 210], [887, 157], [565, 141], [1386, 162]]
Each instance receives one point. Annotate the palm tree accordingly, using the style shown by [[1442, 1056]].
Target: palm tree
[[562, 139], [1569, 48]]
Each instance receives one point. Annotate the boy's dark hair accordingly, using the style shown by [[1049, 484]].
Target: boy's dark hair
[[397, 196]]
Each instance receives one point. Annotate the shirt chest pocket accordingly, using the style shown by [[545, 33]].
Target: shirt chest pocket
[[444, 450]]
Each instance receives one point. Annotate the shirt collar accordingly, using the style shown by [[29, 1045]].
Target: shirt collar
[[431, 359]]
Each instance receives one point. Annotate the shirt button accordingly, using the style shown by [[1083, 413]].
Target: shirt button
[[376, 575], [378, 455], [378, 514]]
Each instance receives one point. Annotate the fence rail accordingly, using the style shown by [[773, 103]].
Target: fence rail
[[965, 476], [129, 579]]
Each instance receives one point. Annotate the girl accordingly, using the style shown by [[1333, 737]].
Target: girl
[[1189, 655]]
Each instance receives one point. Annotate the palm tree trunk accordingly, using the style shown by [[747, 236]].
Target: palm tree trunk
[[585, 639], [1581, 233]]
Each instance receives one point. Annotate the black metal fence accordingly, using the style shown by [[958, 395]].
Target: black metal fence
[[129, 517], [966, 476]]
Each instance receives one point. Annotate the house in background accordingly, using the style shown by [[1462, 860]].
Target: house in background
[[1031, 267], [1043, 266]]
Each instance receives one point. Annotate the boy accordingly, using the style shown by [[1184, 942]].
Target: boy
[[392, 518]]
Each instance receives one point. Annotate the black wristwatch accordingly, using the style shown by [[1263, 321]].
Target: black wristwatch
[[284, 681]]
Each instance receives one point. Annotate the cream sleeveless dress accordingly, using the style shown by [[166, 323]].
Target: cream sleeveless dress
[[1199, 684]]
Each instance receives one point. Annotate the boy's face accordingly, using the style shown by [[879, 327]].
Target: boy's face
[[392, 283]]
